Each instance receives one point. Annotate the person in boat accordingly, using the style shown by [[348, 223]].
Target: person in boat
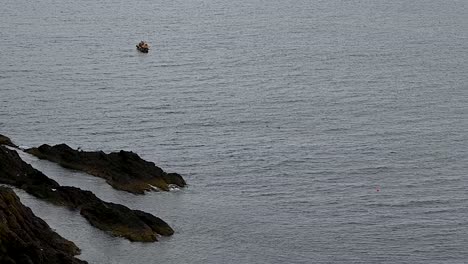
[[143, 45]]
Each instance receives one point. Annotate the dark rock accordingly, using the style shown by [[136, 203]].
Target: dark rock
[[158, 225], [109, 217], [123, 170], [6, 141], [116, 219], [25, 238], [174, 178]]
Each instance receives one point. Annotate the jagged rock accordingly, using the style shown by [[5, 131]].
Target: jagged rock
[[155, 223], [123, 170], [116, 219], [6, 141], [25, 238], [107, 216]]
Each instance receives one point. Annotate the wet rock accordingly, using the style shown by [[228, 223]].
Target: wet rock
[[109, 216], [123, 170], [114, 218], [158, 225], [25, 238]]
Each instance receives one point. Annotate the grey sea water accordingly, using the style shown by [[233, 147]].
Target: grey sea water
[[309, 131]]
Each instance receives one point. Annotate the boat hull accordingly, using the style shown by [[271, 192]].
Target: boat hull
[[140, 49]]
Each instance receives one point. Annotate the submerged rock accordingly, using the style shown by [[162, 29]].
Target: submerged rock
[[123, 170], [25, 238], [116, 219]]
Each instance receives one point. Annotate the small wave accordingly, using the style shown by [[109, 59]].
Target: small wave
[[23, 147], [336, 129], [369, 170], [417, 203], [442, 211], [155, 188]]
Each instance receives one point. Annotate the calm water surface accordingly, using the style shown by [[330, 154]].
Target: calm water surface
[[309, 131]]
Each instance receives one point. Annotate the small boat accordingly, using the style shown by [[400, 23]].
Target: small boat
[[143, 47]]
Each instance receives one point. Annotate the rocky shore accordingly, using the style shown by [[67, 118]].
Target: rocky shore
[[25, 238], [6, 141], [123, 170]]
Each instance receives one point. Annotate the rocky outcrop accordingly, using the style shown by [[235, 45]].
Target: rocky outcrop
[[114, 218], [123, 170], [25, 238], [6, 141]]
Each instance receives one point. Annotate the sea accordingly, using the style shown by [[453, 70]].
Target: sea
[[308, 131]]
